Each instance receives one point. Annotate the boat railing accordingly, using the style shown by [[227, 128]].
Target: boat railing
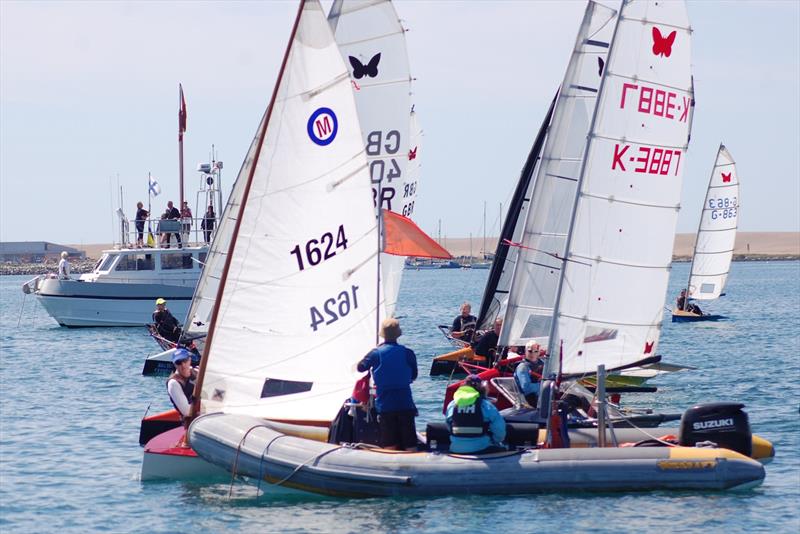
[[156, 233], [32, 285]]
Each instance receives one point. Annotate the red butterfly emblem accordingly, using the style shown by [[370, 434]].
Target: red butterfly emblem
[[648, 347], [662, 46], [412, 154], [726, 178]]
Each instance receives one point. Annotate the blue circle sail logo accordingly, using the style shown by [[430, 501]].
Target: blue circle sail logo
[[323, 126]]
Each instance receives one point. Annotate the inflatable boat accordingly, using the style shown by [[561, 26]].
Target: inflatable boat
[[245, 446]]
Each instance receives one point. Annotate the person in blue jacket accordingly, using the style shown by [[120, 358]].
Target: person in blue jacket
[[476, 427], [394, 368], [529, 372]]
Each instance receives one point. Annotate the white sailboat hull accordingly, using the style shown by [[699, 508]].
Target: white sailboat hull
[[75, 303]]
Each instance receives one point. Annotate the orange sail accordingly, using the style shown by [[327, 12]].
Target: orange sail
[[404, 238]]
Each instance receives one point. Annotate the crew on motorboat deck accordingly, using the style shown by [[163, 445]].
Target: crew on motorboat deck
[[166, 323], [208, 223], [690, 307], [63, 266], [186, 221], [180, 384], [394, 368], [464, 325], [487, 344], [141, 217], [172, 213], [476, 427], [526, 382]]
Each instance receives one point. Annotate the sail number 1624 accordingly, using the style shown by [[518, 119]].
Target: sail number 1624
[[316, 251], [334, 308]]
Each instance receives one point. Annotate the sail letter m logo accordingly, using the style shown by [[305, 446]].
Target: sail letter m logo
[[322, 126]]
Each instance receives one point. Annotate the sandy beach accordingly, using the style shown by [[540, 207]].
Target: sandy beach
[[749, 245]]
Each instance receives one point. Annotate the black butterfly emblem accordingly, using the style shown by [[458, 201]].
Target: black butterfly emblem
[[370, 69], [600, 65]]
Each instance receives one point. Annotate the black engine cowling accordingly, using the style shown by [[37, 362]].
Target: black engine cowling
[[724, 423]]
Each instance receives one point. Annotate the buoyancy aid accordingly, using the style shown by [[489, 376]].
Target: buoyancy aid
[[467, 420], [187, 386]]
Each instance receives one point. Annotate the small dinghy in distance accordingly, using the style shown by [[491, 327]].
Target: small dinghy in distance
[[716, 237]]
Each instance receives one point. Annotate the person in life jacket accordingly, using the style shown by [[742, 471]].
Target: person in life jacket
[[527, 381], [394, 368], [476, 427], [167, 325], [180, 384]]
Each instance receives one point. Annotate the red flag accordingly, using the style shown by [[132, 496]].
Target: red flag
[[181, 113], [404, 238]]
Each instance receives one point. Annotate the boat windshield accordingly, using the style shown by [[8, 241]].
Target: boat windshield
[[105, 262]]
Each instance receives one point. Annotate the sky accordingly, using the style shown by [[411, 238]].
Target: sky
[[89, 92]]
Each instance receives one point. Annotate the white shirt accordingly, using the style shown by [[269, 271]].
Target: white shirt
[[176, 394], [63, 269]]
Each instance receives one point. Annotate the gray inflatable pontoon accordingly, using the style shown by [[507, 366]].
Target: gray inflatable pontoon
[[245, 446]]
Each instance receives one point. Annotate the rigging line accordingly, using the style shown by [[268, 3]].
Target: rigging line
[[368, 39], [633, 141], [687, 29], [327, 174], [596, 259], [653, 82], [586, 319], [552, 254], [715, 252], [721, 186], [718, 165], [630, 202], [717, 229], [398, 81], [550, 175], [704, 275]]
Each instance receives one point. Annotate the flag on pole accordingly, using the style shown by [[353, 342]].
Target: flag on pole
[[181, 114], [155, 189]]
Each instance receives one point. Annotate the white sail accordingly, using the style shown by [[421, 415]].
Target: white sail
[[533, 285], [373, 44], [716, 235], [205, 293], [297, 303], [612, 289]]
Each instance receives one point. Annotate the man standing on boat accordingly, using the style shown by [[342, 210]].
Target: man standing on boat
[[63, 266], [172, 213], [394, 368], [476, 427], [141, 217], [464, 325]]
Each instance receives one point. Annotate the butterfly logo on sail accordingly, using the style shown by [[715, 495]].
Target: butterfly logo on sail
[[726, 178], [370, 69], [648, 346], [412, 154], [600, 65], [662, 46]]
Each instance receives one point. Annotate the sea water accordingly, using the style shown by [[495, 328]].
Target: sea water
[[72, 399]]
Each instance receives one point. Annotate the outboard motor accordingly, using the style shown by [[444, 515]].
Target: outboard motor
[[724, 423]]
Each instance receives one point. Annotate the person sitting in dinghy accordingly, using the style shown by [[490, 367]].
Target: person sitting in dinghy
[[167, 325], [690, 307], [180, 384], [487, 344], [529, 372], [394, 368], [463, 327], [476, 427]]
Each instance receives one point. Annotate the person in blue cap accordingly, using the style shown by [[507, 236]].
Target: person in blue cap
[[476, 427], [180, 384]]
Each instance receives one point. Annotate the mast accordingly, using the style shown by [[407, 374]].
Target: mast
[[484, 229], [552, 343], [700, 225], [181, 129], [514, 209], [198, 388]]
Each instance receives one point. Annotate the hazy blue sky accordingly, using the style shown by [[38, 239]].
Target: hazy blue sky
[[88, 90]]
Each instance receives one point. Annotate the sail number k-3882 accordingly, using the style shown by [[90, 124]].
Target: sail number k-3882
[[334, 309], [319, 250]]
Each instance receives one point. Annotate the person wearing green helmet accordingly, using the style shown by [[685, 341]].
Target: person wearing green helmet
[[476, 427]]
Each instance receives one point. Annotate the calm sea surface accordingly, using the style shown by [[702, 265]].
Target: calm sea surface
[[71, 402]]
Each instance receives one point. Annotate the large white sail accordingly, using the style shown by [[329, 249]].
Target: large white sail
[[537, 271], [716, 235], [373, 44], [619, 251], [297, 303]]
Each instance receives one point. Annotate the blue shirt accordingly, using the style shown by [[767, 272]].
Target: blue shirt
[[523, 376], [393, 368], [497, 430]]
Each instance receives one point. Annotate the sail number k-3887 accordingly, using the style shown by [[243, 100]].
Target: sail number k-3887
[[319, 250], [647, 160], [334, 308]]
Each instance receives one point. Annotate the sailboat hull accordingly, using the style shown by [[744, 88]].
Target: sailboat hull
[[244, 444], [679, 316]]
